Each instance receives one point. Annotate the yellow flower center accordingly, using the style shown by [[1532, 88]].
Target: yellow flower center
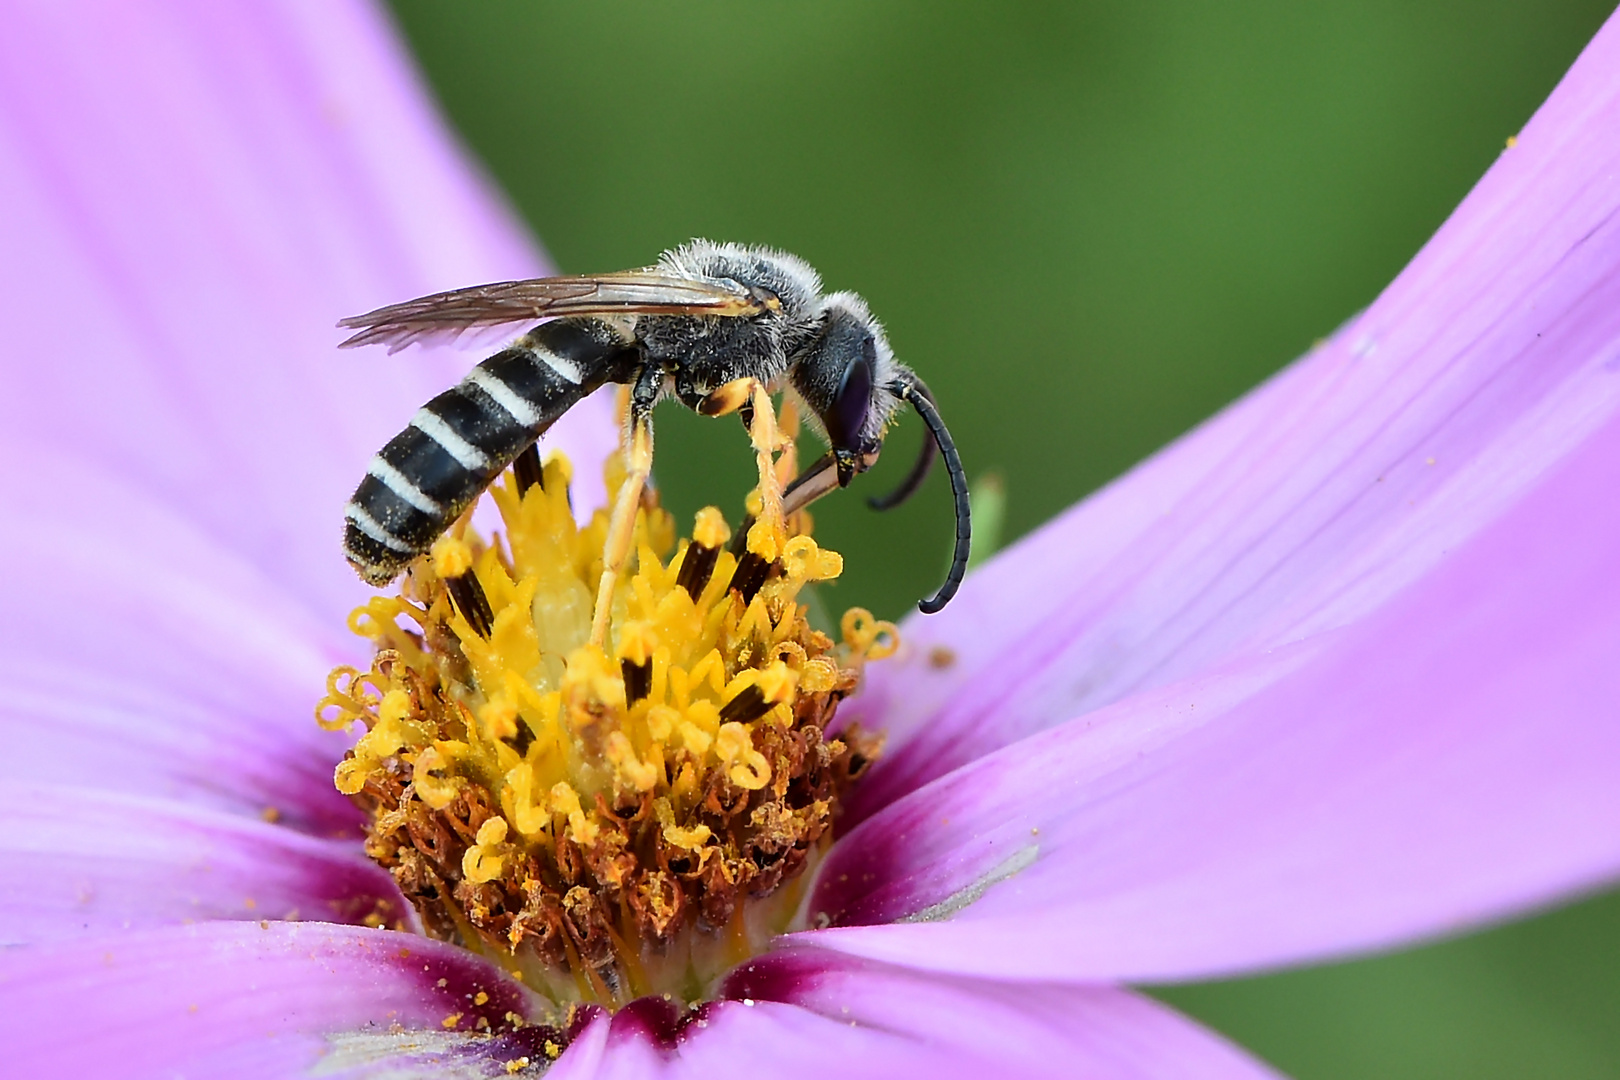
[[606, 822]]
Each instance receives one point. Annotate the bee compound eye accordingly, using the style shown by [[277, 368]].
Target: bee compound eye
[[851, 403]]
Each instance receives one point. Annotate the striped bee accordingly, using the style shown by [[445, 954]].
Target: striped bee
[[705, 320]]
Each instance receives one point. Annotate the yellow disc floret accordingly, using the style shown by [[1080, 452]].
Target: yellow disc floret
[[607, 820]]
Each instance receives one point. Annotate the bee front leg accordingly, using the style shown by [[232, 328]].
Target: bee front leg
[[638, 457], [768, 441], [749, 397]]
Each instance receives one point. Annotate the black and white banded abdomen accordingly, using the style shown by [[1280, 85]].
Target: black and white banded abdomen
[[460, 441]]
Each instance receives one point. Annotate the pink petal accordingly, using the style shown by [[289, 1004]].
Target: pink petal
[[806, 1013], [191, 197], [75, 863], [146, 658], [1452, 757], [1323, 497], [232, 999]]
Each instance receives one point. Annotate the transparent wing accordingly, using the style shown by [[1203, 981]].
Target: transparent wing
[[448, 315]]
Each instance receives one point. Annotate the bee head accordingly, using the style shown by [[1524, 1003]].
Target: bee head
[[848, 377]]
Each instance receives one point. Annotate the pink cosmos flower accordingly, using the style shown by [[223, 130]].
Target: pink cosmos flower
[[1336, 671]]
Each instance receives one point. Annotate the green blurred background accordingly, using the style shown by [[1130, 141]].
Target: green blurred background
[[1089, 226]]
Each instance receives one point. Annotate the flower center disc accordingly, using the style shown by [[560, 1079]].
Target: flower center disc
[[605, 822]]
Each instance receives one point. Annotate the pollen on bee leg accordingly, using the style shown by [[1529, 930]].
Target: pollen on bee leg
[[727, 398], [768, 441], [763, 538], [615, 818]]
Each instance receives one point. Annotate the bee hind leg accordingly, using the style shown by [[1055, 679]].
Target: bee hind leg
[[638, 457]]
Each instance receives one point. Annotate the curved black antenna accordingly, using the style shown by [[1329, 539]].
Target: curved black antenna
[[913, 390], [914, 479]]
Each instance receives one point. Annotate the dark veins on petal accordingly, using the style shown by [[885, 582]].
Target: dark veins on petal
[[656, 1020], [782, 976], [858, 886], [663, 1023], [460, 982]]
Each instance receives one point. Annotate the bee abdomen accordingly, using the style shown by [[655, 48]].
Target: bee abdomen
[[460, 441]]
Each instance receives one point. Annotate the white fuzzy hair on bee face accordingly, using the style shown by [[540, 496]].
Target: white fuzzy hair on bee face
[[885, 371]]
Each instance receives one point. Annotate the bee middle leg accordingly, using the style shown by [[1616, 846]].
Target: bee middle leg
[[638, 457]]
